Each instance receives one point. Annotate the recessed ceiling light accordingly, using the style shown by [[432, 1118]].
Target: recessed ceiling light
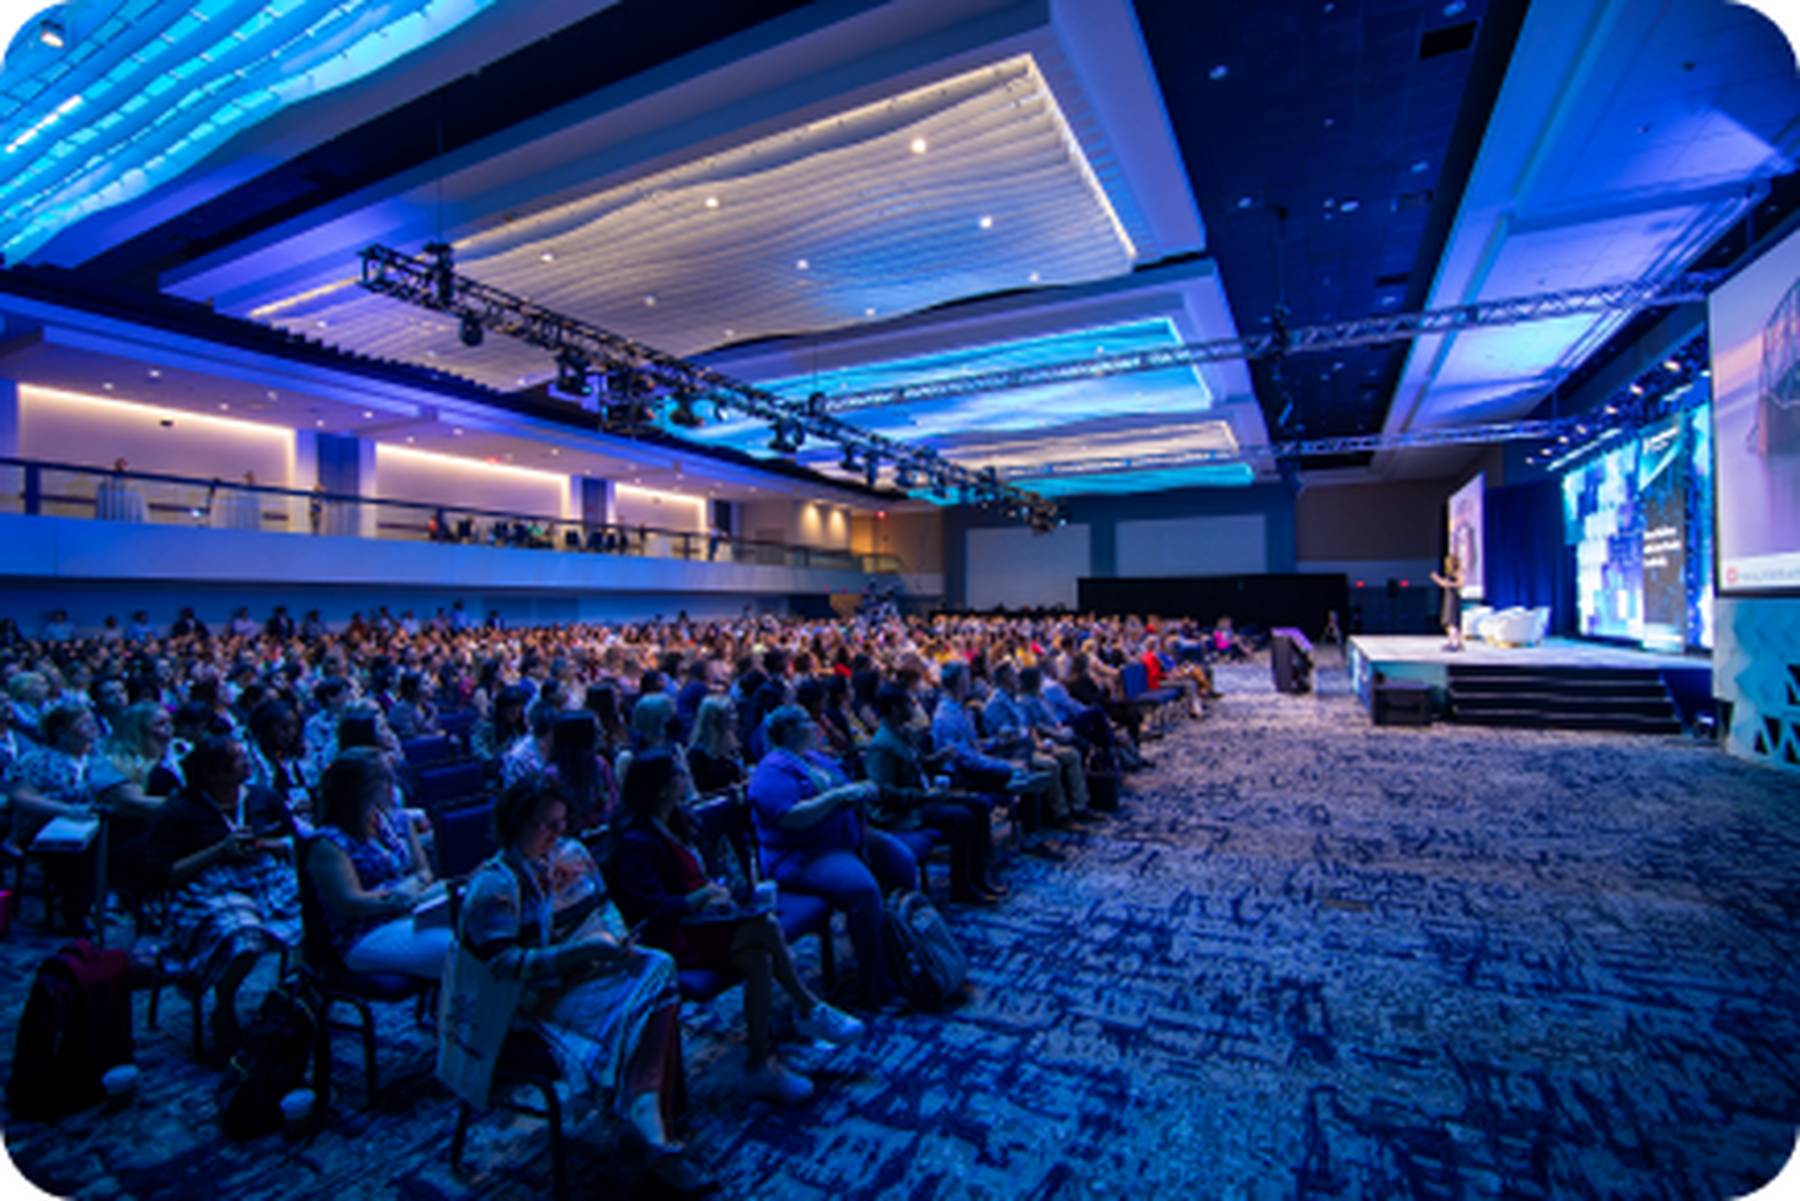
[[272, 394], [320, 423], [1350, 206], [410, 439], [1636, 389], [509, 456], [547, 257], [802, 264], [155, 374], [730, 333], [986, 222], [1422, 166], [1034, 277], [368, 415], [457, 431], [555, 450], [1218, 72], [868, 312], [712, 202], [107, 385], [920, 145], [322, 323], [1672, 366], [223, 407], [649, 302], [1245, 202]]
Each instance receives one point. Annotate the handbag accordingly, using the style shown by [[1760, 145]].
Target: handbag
[[474, 1018]]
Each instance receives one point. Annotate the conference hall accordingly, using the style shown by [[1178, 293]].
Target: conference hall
[[864, 599]]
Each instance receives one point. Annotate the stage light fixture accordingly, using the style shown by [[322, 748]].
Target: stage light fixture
[[51, 34], [783, 442], [470, 331], [904, 477], [572, 373], [872, 469], [850, 461], [682, 414]]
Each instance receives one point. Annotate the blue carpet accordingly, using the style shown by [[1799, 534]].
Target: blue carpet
[[1315, 959]]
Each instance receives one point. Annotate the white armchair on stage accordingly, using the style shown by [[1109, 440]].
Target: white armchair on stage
[[1517, 626]]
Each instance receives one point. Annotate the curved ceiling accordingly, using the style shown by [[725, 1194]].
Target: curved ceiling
[[972, 185]]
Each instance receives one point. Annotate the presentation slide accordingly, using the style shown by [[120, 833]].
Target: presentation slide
[[1754, 325], [1465, 534]]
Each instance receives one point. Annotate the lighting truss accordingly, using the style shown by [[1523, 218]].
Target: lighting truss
[[1333, 335], [431, 282], [1464, 435]]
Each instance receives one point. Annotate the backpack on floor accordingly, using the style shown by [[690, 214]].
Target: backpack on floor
[[273, 1062], [924, 956], [76, 1027]]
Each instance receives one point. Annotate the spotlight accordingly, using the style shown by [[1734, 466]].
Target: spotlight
[[815, 404], [683, 414], [470, 331], [443, 272], [872, 469], [50, 33], [572, 373], [850, 461], [1672, 366], [904, 478], [783, 441]]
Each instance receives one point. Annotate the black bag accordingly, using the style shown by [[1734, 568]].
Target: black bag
[[1103, 791], [922, 953], [76, 1027], [272, 1062]]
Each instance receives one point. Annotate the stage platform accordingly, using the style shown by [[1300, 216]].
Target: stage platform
[[1559, 684]]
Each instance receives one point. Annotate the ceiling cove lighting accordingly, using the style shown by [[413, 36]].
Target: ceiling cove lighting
[[206, 73], [736, 267]]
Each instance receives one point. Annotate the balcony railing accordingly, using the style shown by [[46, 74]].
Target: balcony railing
[[35, 487]]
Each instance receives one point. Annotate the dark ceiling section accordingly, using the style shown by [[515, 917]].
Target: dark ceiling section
[[1328, 143], [614, 44]]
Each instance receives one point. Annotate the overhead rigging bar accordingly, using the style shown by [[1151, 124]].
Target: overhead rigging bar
[[1503, 431], [431, 282], [1333, 335]]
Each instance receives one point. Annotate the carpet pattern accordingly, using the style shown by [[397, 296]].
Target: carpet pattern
[[1314, 959]]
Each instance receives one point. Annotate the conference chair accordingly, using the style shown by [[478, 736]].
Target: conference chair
[[338, 986]]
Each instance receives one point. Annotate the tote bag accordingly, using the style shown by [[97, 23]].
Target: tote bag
[[474, 1018]]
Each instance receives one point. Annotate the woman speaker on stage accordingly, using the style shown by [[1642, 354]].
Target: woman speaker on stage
[[1451, 582]]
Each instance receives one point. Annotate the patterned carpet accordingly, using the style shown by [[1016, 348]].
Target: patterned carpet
[[1315, 959]]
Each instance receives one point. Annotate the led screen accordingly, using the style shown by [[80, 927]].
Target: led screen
[[1605, 525], [1663, 499], [1465, 535]]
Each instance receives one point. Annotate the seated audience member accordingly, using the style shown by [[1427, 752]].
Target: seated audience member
[[218, 848], [30, 693], [11, 745], [369, 872], [905, 802], [277, 760], [662, 881], [1085, 688], [1067, 797], [607, 1011], [319, 737], [413, 715], [974, 770], [652, 729], [693, 692], [135, 765], [1190, 679], [529, 755], [815, 840], [51, 781], [587, 778], [713, 758], [107, 699], [495, 734]]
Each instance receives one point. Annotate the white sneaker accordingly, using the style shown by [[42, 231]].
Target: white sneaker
[[826, 1024], [774, 1082]]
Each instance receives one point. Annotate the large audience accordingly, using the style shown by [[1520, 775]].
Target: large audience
[[240, 766]]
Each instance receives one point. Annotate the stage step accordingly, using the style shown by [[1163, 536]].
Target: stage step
[[1635, 700]]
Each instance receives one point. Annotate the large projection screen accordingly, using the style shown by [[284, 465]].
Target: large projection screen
[[1465, 535], [1755, 328]]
